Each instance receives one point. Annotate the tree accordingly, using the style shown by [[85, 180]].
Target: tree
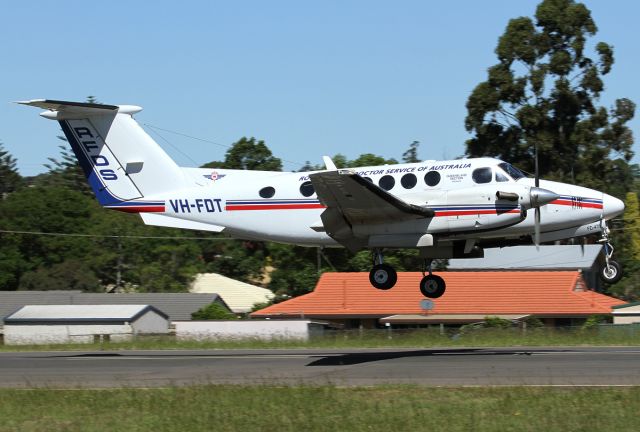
[[369, 159], [628, 251], [543, 91], [213, 311], [248, 154], [66, 171], [9, 177], [411, 155]]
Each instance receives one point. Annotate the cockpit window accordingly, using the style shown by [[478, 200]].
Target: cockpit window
[[501, 177], [514, 172], [482, 175]]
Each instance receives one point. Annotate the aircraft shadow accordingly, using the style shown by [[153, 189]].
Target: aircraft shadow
[[359, 358]]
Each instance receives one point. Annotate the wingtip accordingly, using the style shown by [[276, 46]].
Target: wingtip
[[28, 102]]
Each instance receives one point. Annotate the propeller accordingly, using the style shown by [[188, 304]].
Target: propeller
[[537, 214]]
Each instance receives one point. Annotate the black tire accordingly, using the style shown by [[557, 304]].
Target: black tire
[[432, 286], [612, 274], [383, 276]]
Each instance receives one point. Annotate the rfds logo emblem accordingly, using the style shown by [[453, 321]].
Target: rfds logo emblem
[[214, 176]]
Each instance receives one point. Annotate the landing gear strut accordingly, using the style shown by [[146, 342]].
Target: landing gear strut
[[431, 285], [382, 276], [612, 271]]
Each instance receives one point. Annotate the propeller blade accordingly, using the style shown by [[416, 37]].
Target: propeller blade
[[537, 173], [537, 229]]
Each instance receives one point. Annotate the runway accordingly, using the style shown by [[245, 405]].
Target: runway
[[557, 366]]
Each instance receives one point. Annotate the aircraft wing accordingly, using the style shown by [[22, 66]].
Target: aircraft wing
[[360, 201], [352, 200]]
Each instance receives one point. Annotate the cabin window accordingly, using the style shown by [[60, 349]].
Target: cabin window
[[432, 178], [482, 175], [368, 179], [306, 189], [267, 192], [408, 181], [387, 182]]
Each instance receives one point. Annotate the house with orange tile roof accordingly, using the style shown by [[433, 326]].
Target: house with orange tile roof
[[559, 298]]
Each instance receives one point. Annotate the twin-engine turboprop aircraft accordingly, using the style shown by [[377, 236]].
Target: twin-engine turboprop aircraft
[[445, 209]]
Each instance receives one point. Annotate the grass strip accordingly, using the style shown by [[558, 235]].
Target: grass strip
[[418, 338], [321, 408]]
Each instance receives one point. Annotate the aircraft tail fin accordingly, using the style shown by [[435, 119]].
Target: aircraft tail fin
[[123, 164]]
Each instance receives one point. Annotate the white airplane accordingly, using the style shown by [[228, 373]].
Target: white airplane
[[444, 209]]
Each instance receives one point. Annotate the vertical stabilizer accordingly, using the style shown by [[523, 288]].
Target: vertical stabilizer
[[120, 160]]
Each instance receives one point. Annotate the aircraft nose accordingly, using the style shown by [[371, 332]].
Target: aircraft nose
[[611, 206]]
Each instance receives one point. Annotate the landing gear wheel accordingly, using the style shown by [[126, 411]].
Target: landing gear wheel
[[432, 286], [611, 273], [383, 276]]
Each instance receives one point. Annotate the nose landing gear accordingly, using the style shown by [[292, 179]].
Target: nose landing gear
[[612, 271]]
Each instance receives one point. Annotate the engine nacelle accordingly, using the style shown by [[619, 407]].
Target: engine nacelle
[[481, 208]]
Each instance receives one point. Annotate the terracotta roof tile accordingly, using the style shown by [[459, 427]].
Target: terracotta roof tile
[[535, 292]]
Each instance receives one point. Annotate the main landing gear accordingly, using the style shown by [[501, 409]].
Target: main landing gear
[[431, 285], [612, 271], [383, 276]]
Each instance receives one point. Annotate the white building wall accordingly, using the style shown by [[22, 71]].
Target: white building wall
[[150, 322], [270, 329], [626, 318], [58, 334], [627, 315]]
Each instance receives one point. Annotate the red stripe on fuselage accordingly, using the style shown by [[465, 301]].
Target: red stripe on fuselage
[[577, 205], [232, 207], [139, 209]]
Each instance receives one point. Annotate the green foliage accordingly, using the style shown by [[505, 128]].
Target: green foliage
[[71, 274], [369, 159], [593, 321], [10, 180], [411, 155], [543, 91], [497, 322], [320, 407], [627, 241], [213, 311], [241, 260], [248, 154], [533, 322]]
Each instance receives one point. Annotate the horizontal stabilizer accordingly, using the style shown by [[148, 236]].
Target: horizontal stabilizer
[[171, 222], [71, 108]]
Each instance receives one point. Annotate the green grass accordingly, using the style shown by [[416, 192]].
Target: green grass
[[422, 338], [322, 408]]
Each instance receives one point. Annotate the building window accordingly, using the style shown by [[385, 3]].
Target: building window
[[432, 178], [306, 189], [267, 192], [387, 182], [482, 175], [408, 181]]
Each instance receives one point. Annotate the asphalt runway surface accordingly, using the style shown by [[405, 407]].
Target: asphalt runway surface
[[557, 366]]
